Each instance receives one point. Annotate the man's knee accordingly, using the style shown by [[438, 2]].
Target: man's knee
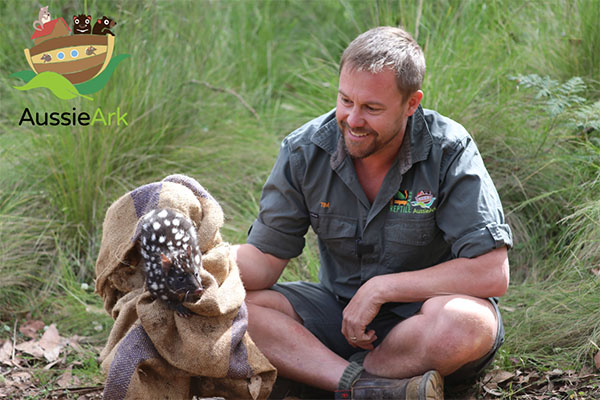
[[465, 327], [271, 299]]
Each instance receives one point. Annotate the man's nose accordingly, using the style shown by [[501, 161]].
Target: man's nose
[[355, 119]]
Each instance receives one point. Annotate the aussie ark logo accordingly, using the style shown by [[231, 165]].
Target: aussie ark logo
[[422, 203], [71, 59]]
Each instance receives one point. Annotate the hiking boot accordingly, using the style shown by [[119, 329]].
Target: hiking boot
[[429, 386]]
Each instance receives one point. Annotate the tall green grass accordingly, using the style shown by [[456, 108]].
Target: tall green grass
[[211, 88]]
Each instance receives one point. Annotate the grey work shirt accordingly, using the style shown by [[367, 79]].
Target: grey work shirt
[[437, 202]]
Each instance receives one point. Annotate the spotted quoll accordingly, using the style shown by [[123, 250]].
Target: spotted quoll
[[169, 248]]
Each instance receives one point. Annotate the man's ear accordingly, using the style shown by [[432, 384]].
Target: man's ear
[[413, 102]]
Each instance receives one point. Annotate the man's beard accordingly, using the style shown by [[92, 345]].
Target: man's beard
[[363, 152]]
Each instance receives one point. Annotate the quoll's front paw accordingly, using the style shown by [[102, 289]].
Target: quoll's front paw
[[183, 311]]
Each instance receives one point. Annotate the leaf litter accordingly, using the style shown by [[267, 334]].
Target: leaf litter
[[38, 366], [38, 362], [532, 384]]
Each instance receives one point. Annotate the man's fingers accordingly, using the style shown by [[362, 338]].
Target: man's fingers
[[363, 340]]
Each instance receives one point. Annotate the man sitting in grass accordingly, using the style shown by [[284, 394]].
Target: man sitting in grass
[[411, 232]]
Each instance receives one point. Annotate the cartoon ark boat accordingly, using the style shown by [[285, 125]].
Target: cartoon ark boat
[[78, 58]]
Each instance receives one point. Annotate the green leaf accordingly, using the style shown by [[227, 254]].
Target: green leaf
[[58, 85], [26, 75]]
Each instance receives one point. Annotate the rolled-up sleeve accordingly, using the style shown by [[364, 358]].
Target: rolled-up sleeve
[[283, 218], [470, 212]]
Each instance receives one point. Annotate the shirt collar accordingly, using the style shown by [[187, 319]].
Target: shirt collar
[[416, 144]]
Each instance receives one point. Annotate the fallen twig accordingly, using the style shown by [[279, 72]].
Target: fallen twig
[[79, 389], [12, 357]]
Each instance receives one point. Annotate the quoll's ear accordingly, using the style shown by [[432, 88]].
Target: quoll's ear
[[90, 17], [166, 263], [99, 21], [74, 18]]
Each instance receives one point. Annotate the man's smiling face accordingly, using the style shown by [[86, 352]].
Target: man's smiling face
[[371, 112]]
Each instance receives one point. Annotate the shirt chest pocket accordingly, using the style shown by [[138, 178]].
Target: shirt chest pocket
[[415, 230], [409, 242], [338, 233]]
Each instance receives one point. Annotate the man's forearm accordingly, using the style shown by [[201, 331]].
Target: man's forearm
[[483, 276], [258, 270]]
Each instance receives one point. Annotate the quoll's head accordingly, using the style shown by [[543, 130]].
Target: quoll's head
[[168, 244]]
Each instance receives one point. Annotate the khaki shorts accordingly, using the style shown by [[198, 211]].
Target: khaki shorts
[[321, 312]]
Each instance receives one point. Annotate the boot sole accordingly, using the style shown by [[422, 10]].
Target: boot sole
[[431, 386]]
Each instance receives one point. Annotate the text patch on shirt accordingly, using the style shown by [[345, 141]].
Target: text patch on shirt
[[409, 202]]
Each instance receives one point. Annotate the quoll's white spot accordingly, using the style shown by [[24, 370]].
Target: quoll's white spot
[[197, 259], [167, 222], [162, 239], [186, 238], [163, 213], [179, 235], [154, 286], [164, 297], [161, 286], [185, 246], [174, 230], [178, 244], [175, 222], [153, 238], [156, 226]]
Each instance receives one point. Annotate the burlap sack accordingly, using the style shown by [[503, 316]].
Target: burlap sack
[[151, 352]]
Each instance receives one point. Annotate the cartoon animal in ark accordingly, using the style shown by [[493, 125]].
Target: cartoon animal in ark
[[82, 24], [43, 18], [46, 58], [103, 26], [91, 51]]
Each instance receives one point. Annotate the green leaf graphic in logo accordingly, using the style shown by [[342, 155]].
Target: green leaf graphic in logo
[[62, 87], [58, 85], [24, 75]]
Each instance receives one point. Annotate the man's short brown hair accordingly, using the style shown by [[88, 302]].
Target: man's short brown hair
[[388, 47]]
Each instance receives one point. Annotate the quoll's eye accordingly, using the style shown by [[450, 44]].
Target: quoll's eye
[[105, 22], [76, 21], [87, 21], [181, 279]]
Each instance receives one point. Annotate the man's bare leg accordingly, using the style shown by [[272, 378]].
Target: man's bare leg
[[447, 333], [296, 353]]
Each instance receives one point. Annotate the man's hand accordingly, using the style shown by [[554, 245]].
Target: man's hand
[[359, 312]]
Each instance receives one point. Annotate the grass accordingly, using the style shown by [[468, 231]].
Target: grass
[[193, 62]]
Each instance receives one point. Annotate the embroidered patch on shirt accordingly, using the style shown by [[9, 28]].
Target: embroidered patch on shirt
[[423, 199], [422, 203]]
